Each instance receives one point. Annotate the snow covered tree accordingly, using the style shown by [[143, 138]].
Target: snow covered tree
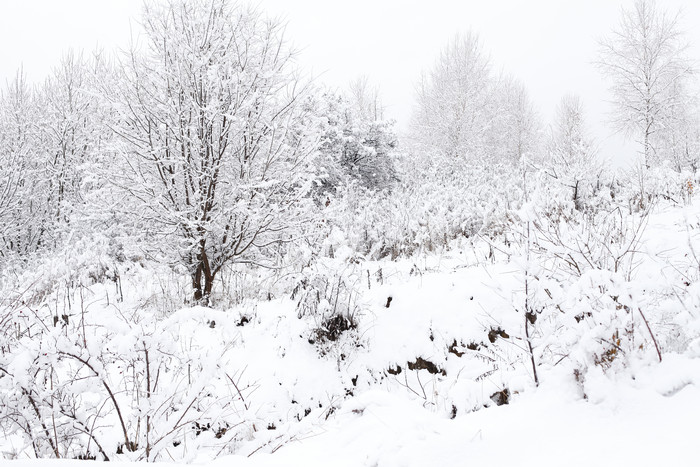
[[22, 188], [514, 124], [366, 99], [680, 139], [355, 146], [646, 59], [216, 156], [73, 133], [573, 158], [454, 100], [49, 135], [470, 115]]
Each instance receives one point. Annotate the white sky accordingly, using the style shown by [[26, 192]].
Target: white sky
[[548, 44]]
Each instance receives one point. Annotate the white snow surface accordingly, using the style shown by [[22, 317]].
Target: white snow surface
[[341, 407], [632, 422]]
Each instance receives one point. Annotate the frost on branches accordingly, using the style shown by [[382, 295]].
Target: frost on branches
[[216, 159], [203, 254]]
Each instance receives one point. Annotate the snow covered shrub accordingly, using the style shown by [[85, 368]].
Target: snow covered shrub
[[668, 184], [427, 215], [94, 364], [567, 202], [97, 382], [477, 201], [375, 225], [606, 240], [330, 300], [355, 147], [642, 186], [581, 275], [588, 321]]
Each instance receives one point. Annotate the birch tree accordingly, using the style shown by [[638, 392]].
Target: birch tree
[[645, 56]]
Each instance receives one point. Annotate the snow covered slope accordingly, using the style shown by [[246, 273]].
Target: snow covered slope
[[429, 365]]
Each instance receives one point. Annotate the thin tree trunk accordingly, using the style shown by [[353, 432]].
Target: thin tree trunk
[[203, 280], [208, 284], [197, 283]]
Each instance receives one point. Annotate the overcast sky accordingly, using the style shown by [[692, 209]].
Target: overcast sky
[[548, 44]]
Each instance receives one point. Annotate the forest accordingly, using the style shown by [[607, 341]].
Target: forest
[[207, 255]]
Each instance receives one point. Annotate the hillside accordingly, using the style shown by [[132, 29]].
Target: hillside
[[410, 362]]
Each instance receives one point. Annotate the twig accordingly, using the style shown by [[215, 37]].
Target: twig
[[129, 445], [658, 352], [245, 404]]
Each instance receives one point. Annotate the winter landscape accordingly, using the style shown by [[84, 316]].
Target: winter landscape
[[212, 254]]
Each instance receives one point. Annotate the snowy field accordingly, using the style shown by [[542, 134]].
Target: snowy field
[[345, 402], [640, 422], [211, 256]]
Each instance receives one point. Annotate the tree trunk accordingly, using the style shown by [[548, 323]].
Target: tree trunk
[[208, 284], [197, 283], [202, 280], [647, 142]]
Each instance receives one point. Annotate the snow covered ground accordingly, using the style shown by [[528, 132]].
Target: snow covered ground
[[623, 423], [416, 383], [650, 420]]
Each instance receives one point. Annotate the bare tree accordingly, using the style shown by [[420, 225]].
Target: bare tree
[[366, 99], [646, 59], [214, 141]]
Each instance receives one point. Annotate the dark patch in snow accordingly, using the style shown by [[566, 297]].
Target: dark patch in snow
[[501, 397], [583, 316], [422, 364], [474, 346], [495, 333], [243, 321], [453, 348], [531, 317], [333, 327]]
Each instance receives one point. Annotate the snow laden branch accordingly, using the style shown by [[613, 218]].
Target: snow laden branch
[[215, 143]]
